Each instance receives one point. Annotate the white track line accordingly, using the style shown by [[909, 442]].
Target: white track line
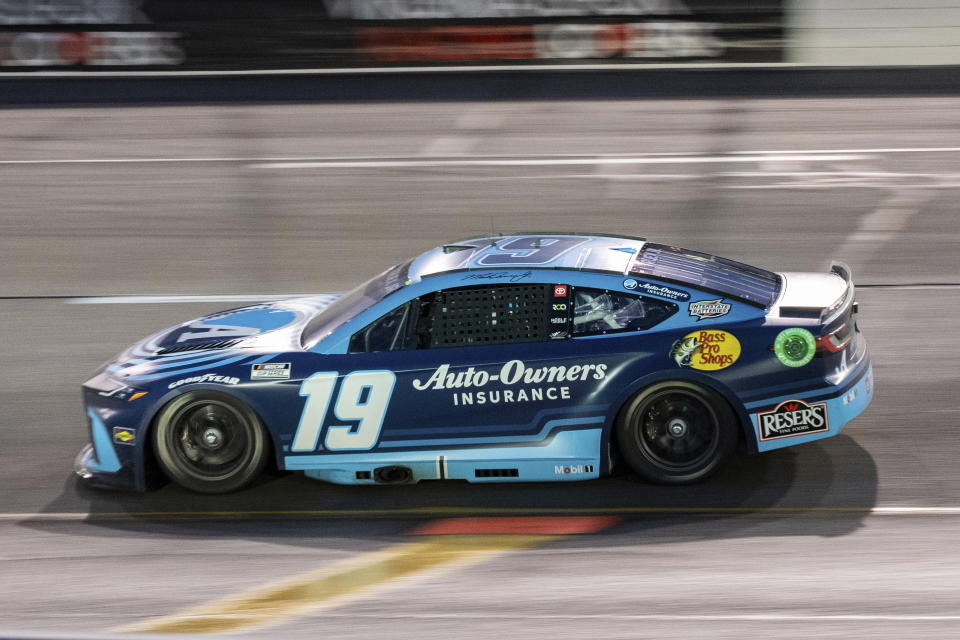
[[438, 70], [878, 227], [544, 162], [874, 150], [168, 299], [665, 617], [790, 154], [136, 160]]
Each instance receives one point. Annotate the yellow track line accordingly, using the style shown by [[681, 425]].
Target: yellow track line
[[334, 585]]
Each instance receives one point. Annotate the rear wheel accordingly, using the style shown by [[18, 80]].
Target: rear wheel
[[209, 442], [676, 432]]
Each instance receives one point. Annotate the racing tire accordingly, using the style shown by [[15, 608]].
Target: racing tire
[[676, 433], [209, 442]]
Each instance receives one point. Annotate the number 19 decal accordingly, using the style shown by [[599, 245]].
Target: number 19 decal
[[364, 396]]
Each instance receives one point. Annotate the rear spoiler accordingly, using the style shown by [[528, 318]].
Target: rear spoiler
[[826, 315], [845, 301]]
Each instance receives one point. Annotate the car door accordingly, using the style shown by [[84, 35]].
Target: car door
[[496, 369], [477, 365]]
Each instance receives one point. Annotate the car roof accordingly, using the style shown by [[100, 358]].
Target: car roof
[[612, 254], [577, 252]]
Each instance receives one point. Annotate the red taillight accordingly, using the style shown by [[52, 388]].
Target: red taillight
[[835, 341]]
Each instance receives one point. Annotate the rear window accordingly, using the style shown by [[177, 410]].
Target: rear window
[[733, 279]]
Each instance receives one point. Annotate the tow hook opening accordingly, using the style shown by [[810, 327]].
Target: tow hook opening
[[393, 474]]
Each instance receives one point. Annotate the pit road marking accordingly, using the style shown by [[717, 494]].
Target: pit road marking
[[335, 585], [447, 545]]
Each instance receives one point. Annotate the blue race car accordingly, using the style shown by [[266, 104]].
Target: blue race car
[[500, 359]]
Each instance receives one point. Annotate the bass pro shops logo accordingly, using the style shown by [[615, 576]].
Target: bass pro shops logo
[[706, 350], [792, 418]]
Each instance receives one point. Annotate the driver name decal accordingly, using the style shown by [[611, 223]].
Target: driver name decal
[[513, 382]]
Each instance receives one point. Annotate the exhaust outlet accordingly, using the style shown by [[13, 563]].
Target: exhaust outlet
[[393, 474]]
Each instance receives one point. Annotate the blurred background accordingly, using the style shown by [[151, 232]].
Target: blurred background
[[165, 159]]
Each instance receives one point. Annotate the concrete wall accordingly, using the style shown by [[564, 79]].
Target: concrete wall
[[874, 32]]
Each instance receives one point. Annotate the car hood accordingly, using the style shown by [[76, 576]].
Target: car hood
[[258, 328]]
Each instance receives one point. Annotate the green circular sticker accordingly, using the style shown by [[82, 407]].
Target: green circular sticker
[[795, 347]]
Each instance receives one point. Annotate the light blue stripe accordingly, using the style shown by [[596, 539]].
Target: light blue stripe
[[829, 390], [266, 358], [581, 445], [544, 432], [206, 358], [426, 431], [838, 414], [172, 357], [169, 365], [107, 460], [205, 367]]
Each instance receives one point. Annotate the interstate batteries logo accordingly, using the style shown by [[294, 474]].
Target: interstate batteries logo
[[705, 309], [706, 350], [792, 418], [514, 382]]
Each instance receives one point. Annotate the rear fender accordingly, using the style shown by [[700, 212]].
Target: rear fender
[[684, 375]]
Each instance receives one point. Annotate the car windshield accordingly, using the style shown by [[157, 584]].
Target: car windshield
[[353, 302]]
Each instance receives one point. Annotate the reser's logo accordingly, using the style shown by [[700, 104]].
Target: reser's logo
[[792, 418]]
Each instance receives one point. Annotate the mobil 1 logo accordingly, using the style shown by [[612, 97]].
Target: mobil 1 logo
[[792, 418]]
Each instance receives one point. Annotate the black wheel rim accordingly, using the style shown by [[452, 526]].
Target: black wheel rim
[[209, 439], [677, 430]]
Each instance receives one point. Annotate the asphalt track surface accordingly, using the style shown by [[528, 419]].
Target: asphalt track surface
[[853, 536]]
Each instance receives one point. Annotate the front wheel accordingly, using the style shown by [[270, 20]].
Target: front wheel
[[209, 442], [676, 432]]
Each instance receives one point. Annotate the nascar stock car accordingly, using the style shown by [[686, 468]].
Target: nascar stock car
[[495, 359]]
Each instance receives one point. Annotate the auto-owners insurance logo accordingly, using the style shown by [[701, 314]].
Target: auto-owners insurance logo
[[515, 382]]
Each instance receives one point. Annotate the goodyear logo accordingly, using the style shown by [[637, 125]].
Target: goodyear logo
[[706, 350]]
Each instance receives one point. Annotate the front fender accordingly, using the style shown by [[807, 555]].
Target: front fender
[[147, 464]]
